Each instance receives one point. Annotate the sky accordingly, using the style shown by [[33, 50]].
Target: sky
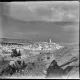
[[41, 20]]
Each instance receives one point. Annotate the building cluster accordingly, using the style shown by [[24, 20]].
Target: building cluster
[[33, 47], [8, 48], [43, 46]]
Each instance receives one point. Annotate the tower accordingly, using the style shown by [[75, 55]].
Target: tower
[[50, 41]]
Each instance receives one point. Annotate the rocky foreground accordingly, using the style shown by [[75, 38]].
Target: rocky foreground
[[37, 65]]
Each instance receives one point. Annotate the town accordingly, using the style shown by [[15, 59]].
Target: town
[[33, 47]]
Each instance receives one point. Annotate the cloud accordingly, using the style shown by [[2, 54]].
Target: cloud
[[26, 33], [18, 33], [47, 11], [59, 13]]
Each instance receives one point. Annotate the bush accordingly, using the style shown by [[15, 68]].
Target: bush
[[15, 53]]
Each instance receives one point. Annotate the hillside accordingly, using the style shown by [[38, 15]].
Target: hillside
[[70, 53]]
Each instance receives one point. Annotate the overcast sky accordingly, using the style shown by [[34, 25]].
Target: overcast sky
[[47, 10], [40, 20]]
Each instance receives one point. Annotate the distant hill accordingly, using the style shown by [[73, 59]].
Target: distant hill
[[8, 40]]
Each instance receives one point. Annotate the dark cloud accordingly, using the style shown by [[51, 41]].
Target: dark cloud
[[39, 30]]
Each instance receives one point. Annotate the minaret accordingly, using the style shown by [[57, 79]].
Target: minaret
[[50, 41]]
